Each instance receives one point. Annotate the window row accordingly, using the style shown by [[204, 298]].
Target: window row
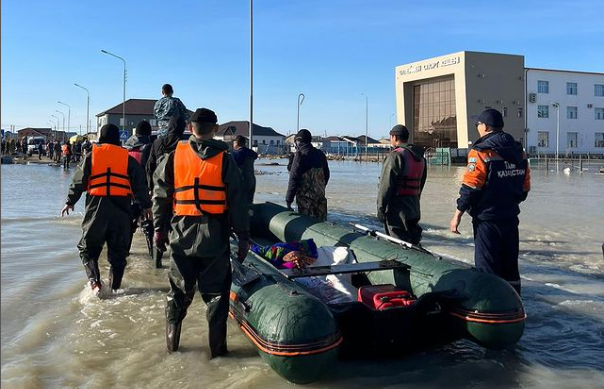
[[571, 88], [571, 112], [571, 139]]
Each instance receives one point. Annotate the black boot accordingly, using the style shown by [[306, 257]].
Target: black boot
[[173, 335], [115, 277]]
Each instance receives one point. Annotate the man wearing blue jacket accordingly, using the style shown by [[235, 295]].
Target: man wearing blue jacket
[[496, 181]]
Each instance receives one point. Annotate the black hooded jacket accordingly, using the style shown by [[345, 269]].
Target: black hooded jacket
[[165, 145], [497, 178], [307, 157]]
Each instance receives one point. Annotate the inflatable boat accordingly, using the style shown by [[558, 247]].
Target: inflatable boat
[[301, 336]]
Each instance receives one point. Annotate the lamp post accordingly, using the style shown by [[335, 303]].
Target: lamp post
[[87, 109], [366, 123], [124, 94], [390, 122], [557, 105], [56, 110], [68, 114], [56, 117], [251, 71], [300, 101]]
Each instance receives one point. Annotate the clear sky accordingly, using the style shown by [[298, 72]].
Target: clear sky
[[330, 50]]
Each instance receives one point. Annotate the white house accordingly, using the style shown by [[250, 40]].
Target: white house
[[265, 139], [578, 98]]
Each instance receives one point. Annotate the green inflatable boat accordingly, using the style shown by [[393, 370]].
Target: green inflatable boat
[[301, 337]]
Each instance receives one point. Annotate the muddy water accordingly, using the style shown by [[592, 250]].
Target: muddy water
[[56, 335]]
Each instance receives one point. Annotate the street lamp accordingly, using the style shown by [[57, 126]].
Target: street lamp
[[557, 105], [87, 108], [390, 122], [68, 114], [56, 117], [300, 101], [251, 70], [366, 123], [56, 110], [124, 96]]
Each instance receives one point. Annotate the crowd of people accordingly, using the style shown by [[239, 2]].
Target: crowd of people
[[196, 191]]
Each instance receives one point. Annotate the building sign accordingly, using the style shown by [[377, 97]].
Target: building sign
[[430, 66]]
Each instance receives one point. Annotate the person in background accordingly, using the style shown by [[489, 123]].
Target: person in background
[[66, 153], [77, 151], [403, 178], [139, 148], [24, 146], [50, 149], [168, 107], [110, 177], [57, 151], [86, 147], [245, 160], [308, 177], [198, 191], [40, 150], [496, 181], [164, 145]]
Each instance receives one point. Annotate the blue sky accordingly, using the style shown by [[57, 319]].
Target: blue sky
[[330, 50]]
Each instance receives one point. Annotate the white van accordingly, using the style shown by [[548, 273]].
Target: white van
[[32, 145]]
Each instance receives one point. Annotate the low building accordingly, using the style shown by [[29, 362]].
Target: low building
[[47, 133], [136, 110], [265, 139]]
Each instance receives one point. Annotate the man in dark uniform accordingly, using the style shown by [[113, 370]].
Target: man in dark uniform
[[308, 177], [497, 179], [403, 178], [245, 160], [198, 191], [110, 177]]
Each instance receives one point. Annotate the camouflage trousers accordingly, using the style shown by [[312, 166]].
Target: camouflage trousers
[[313, 207]]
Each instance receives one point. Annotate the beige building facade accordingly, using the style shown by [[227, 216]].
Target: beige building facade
[[437, 98]]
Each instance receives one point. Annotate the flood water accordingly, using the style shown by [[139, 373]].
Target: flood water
[[56, 335]]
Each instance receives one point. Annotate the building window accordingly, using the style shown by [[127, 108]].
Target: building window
[[543, 111], [571, 113], [272, 142], [571, 140], [519, 113], [599, 90], [542, 139], [571, 88], [543, 86], [599, 113], [278, 142], [505, 112], [263, 141], [599, 139], [434, 113], [255, 142]]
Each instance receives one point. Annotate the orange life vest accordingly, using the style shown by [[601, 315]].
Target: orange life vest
[[65, 150], [109, 171], [198, 185]]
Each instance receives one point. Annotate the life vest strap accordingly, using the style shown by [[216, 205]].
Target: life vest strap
[[106, 173], [206, 187]]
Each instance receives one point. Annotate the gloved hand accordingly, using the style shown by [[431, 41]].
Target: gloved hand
[[381, 217], [289, 205], [243, 247], [160, 238]]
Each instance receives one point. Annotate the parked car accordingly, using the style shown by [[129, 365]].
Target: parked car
[[32, 145]]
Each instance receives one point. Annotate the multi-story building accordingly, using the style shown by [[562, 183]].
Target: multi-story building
[[564, 112], [439, 98]]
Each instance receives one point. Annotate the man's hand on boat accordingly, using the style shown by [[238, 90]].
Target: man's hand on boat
[[243, 246], [66, 209], [160, 238], [289, 206], [454, 225]]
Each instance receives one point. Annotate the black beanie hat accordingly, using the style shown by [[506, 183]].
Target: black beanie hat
[[304, 136], [143, 128], [110, 134], [204, 115]]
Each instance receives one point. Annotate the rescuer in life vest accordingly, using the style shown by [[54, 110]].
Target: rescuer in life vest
[[110, 177], [139, 148], [197, 189], [497, 179], [403, 178]]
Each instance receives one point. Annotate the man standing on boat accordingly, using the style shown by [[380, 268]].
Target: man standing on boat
[[308, 177], [198, 191], [497, 179], [403, 178], [110, 177], [168, 107], [245, 158]]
